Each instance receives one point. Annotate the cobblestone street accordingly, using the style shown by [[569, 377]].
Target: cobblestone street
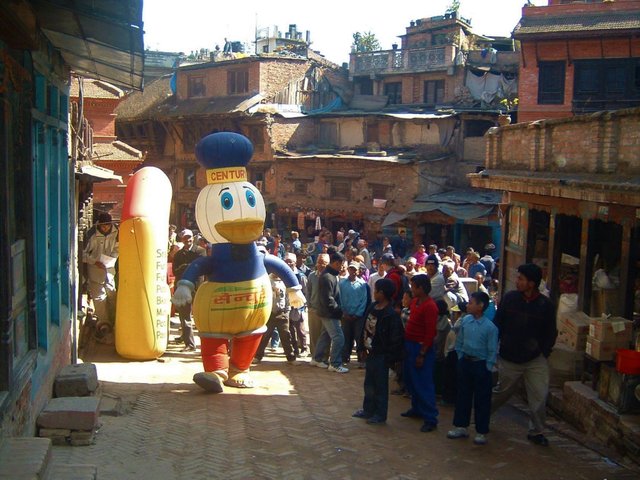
[[297, 424]]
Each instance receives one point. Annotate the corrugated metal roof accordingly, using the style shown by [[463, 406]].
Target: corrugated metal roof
[[566, 24], [101, 39]]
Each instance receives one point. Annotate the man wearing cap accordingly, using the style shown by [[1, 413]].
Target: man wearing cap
[[353, 298], [100, 255], [432, 265], [298, 324], [526, 322], [181, 260]]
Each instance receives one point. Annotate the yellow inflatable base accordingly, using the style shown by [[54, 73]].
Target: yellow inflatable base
[[143, 308]]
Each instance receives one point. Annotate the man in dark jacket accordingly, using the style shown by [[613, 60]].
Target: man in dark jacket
[[382, 340], [526, 320], [181, 260], [330, 313]]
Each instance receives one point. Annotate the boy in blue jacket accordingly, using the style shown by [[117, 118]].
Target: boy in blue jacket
[[477, 350]]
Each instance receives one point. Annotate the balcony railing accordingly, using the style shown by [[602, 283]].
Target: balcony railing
[[403, 61]]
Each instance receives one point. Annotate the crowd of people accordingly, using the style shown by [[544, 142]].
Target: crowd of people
[[429, 315]]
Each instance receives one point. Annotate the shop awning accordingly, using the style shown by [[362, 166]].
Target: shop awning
[[460, 204], [392, 218], [101, 39]]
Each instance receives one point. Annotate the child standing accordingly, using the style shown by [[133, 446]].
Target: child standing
[[398, 367], [477, 349], [382, 343]]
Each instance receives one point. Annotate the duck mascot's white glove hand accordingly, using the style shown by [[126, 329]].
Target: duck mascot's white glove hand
[[183, 294], [296, 297]]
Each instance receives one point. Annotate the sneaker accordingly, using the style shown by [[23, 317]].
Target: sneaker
[[480, 439], [376, 421], [428, 427], [538, 439], [293, 362], [411, 413], [315, 363], [360, 414], [189, 348], [338, 369], [458, 432], [256, 361]]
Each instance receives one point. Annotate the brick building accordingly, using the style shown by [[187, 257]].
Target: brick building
[[578, 57], [442, 66], [247, 95], [99, 101], [573, 193]]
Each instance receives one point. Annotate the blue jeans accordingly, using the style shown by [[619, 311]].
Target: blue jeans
[[332, 334], [376, 387], [474, 387], [419, 382]]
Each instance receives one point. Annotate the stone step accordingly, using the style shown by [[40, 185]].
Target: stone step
[[79, 380], [24, 458], [73, 472], [73, 413]]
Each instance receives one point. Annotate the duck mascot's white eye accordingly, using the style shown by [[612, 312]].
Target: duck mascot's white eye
[[226, 200]]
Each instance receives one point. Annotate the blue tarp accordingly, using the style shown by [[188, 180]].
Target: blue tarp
[[460, 204]]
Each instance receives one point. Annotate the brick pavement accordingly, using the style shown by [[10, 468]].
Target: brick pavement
[[296, 424]]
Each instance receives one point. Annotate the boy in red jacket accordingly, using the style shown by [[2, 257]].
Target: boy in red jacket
[[420, 354]]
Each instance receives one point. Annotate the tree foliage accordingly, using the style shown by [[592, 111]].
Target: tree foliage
[[454, 6], [365, 42]]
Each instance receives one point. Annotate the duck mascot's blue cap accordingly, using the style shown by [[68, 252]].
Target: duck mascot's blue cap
[[225, 156]]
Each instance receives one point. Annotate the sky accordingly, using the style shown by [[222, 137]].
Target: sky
[[194, 24]]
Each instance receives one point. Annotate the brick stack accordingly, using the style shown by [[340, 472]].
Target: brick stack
[[72, 417]]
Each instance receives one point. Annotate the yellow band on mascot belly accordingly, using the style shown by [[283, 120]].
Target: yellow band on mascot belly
[[232, 308]]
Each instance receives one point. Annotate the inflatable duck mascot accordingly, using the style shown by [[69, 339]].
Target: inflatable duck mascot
[[232, 306]]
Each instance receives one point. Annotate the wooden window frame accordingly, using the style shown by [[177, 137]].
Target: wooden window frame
[[237, 81], [196, 87], [546, 73]]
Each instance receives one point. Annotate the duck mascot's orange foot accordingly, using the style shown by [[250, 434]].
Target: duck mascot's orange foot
[[232, 307]]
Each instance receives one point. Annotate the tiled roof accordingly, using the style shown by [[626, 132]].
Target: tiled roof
[[584, 23], [142, 105], [115, 152], [95, 89], [205, 106]]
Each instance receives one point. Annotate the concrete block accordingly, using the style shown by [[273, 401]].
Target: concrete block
[[58, 436], [82, 438], [79, 380], [22, 458], [110, 406], [74, 413]]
